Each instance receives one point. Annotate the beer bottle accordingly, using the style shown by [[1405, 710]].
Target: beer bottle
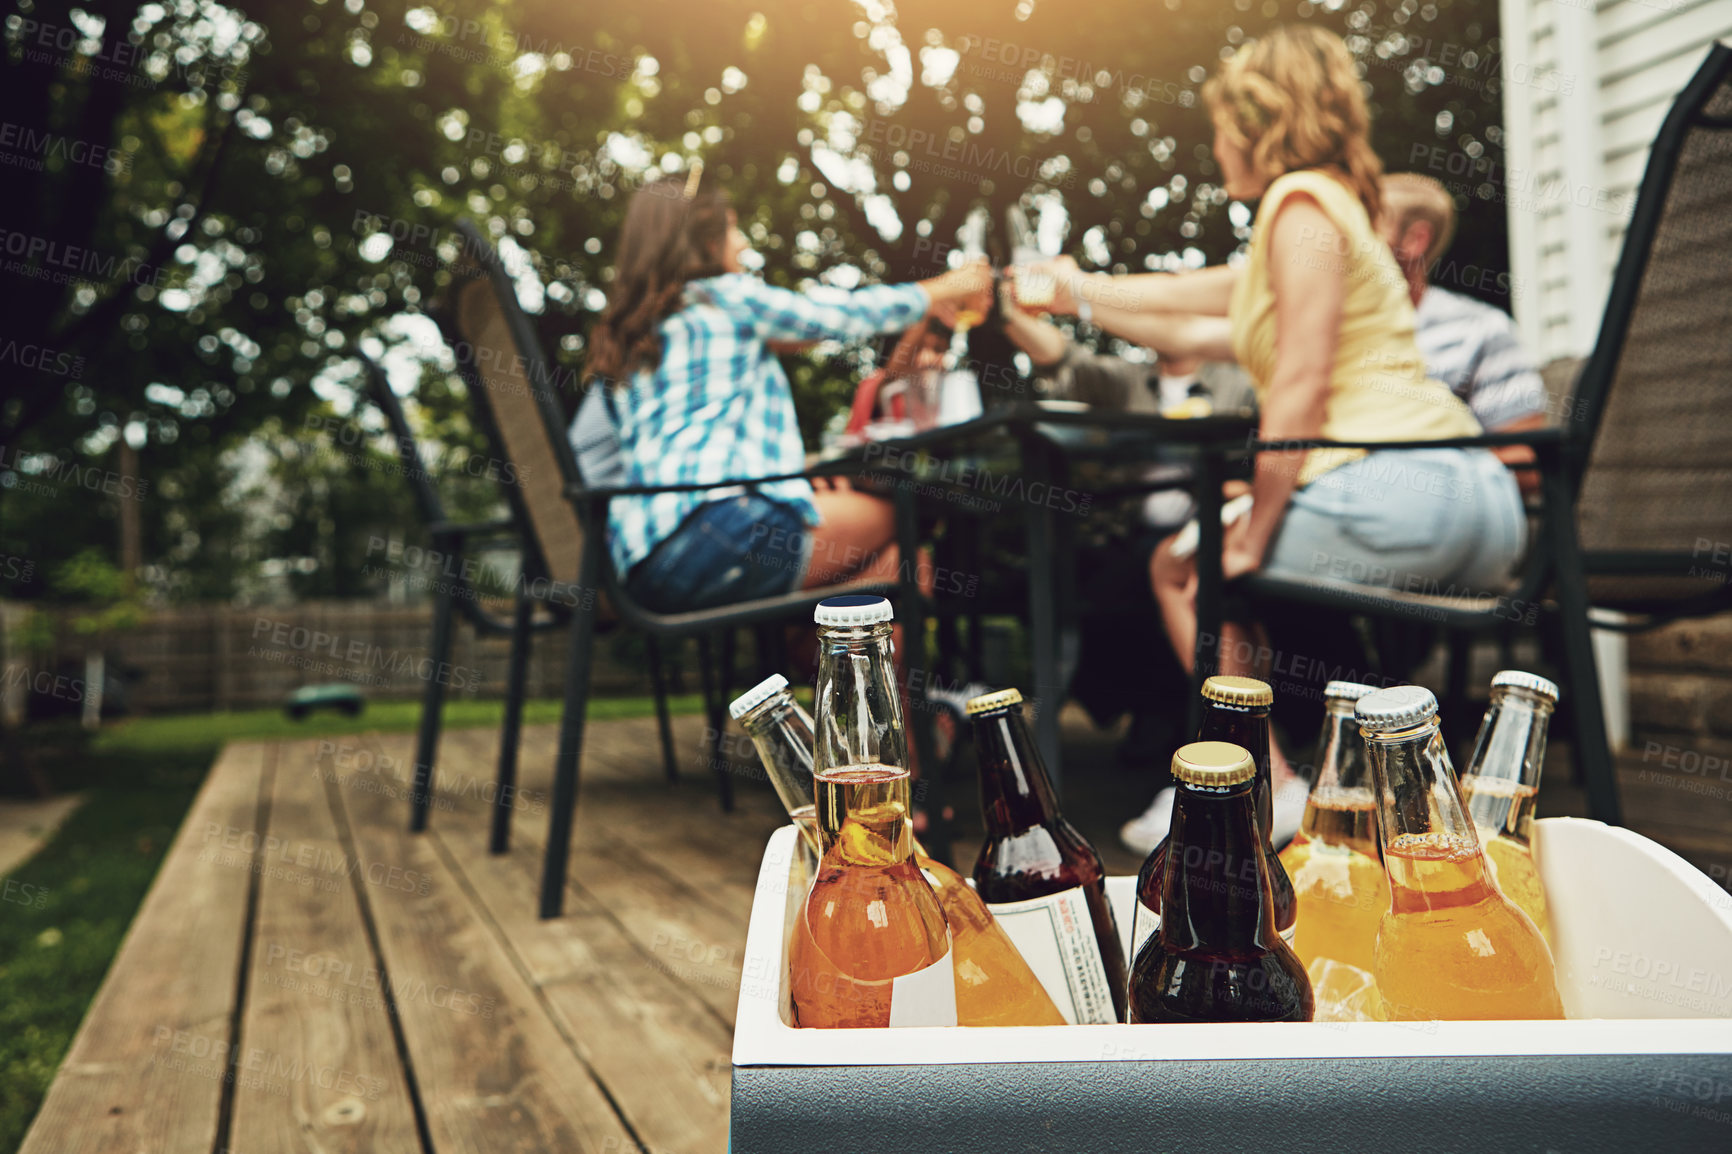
[[994, 986], [782, 733], [1216, 956], [1337, 869], [1041, 879], [1235, 710], [871, 947], [1502, 784], [1450, 946]]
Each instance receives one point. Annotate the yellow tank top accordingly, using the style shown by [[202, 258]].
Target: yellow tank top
[[1379, 390]]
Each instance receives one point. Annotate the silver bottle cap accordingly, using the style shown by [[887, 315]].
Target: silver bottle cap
[[1532, 682], [1346, 690], [1396, 708], [852, 609], [757, 695]]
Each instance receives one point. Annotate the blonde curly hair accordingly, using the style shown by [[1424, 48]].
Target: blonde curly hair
[[1292, 99]]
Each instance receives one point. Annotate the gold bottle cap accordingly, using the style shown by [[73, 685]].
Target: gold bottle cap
[[987, 702], [1238, 691], [1213, 763]]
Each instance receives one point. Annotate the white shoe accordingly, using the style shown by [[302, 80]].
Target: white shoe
[[1142, 834], [1289, 805]]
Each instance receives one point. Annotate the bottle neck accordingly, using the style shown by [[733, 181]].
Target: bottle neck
[[782, 733], [1015, 793], [1216, 892], [858, 708], [1246, 726], [1512, 739], [1417, 792], [863, 817], [1341, 760]]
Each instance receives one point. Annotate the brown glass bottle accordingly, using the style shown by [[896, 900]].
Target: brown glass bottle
[[1042, 879], [1235, 710], [1216, 956]]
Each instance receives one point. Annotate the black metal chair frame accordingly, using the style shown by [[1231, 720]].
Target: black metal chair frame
[[455, 539], [1559, 566]]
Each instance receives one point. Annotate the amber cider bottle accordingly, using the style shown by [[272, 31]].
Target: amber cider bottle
[[1502, 785], [871, 946], [1216, 956], [1337, 868], [1041, 879], [1235, 710], [1450, 946], [994, 986]]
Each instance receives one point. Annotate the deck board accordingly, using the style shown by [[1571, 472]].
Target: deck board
[[627, 1010], [148, 1067], [319, 1069], [492, 1070]]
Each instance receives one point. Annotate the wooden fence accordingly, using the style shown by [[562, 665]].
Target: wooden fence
[[225, 657]]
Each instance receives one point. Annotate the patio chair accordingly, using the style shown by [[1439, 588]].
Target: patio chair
[[1625, 517], [538, 608], [513, 388]]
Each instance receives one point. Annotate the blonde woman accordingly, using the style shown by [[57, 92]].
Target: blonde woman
[[1319, 316]]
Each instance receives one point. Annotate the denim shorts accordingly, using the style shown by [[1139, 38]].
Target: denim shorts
[[738, 549], [1445, 522]]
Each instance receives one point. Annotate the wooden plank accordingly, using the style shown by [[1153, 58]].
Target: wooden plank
[[499, 1080], [147, 1070], [630, 1012], [317, 1062]]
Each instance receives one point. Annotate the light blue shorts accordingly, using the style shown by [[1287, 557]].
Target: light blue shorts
[[1444, 522]]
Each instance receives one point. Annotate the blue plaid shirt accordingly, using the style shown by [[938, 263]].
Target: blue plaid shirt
[[718, 407]]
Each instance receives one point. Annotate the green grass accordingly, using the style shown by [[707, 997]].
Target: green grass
[[64, 913]]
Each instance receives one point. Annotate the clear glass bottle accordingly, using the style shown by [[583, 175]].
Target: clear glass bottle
[[1042, 879], [1216, 956], [1235, 710], [871, 947], [782, 733], [994, 986], [1450, 946], [1502, 785], [1337, 868]]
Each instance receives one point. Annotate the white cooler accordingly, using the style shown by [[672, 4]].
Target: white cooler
[[1643, 943]]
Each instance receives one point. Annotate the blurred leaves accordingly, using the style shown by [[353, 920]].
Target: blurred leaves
[[283, 177]]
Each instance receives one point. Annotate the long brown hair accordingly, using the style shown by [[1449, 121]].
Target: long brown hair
[[1293, 99], [668, 240]]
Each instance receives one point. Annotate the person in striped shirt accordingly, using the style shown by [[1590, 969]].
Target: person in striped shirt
[[1468, 345], [687, 347]]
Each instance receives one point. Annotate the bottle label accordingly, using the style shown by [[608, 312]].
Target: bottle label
[[926, 997], [1144, 923], [1056, 937], [1287, 934]]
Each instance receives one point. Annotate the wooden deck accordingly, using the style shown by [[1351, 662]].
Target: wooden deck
[[306, 976]]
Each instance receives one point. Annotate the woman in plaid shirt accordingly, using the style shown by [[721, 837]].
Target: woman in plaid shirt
[[699, 396]]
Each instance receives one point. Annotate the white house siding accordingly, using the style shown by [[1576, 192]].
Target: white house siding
[[1586, 85]]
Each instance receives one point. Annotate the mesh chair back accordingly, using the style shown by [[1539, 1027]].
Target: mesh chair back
[[1654, 394], [510, 382]]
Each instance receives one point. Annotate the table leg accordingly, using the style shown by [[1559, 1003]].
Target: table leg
[[1211, 473], [916, 668], [1049, 686]]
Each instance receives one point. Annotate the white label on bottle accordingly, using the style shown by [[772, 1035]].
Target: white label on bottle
[[926, 997], [1144, 923], [1287, 934], [1056, 937]]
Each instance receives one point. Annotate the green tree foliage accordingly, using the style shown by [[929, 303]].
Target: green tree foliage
[[212, 207]]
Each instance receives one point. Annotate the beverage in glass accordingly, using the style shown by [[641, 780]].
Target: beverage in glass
[[1450, 946]]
